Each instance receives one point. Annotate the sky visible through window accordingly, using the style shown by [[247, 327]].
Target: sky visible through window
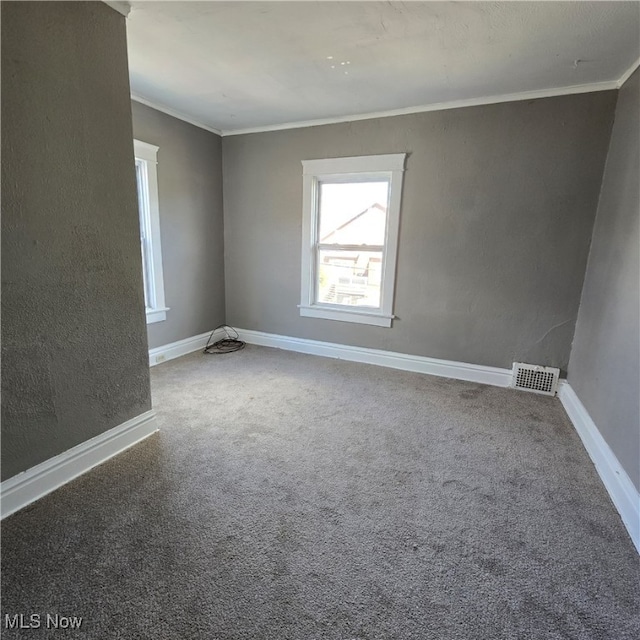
[[339, 203]]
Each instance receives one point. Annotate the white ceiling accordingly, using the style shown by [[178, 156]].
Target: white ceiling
[[233, 66]]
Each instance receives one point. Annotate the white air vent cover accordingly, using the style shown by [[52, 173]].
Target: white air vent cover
[[532, 377]]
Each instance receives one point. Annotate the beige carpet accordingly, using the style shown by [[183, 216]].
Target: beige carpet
[[290, 497]]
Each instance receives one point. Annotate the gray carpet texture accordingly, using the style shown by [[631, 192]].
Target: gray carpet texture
[[293, 497]]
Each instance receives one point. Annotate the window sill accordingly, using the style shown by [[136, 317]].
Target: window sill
[[344, 315], [156, 315]]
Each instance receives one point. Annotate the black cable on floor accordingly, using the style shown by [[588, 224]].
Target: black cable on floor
[[230, 343]]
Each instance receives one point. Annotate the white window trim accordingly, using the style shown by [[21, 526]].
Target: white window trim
[[148, 153], [388, 166]]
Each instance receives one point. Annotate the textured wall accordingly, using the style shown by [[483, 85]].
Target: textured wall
[[74, 343], [190, 191], [498, 208], [604, 369]]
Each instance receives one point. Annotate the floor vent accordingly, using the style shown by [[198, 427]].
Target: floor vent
[[532, 377]]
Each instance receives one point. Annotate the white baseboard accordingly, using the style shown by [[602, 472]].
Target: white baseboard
[[177, 349], [418, 364], [622, 491], [31, 485]]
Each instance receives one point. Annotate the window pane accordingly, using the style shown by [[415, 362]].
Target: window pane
[[353, 212], [351, 278], [144, 235], [148, 303], [141, 197]]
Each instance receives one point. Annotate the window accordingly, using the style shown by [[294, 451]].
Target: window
[[351, 217], [147, 180]]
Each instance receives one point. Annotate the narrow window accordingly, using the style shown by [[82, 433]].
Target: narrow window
[[351, 217], [150, 245]]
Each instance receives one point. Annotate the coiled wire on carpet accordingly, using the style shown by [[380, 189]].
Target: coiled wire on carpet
[[230, 343]]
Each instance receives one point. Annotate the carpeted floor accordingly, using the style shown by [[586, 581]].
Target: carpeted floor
[[290, 497]]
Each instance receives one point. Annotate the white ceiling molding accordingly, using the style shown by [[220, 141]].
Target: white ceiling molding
[[174, 113], [628, 73], [121, 7], [441, 106]]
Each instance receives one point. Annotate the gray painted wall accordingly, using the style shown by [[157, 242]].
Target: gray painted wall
[[190, 192], [497, 214], [604, 365], [74, 345]]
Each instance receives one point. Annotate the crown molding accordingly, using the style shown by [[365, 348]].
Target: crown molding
[[438, 106], [628, 73], [611, 85], [121, 7], [172, 112]]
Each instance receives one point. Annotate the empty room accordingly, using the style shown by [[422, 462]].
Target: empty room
[[320, 320]]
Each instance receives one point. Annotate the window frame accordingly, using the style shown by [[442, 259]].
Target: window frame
[[146, 156], [352, 169]]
